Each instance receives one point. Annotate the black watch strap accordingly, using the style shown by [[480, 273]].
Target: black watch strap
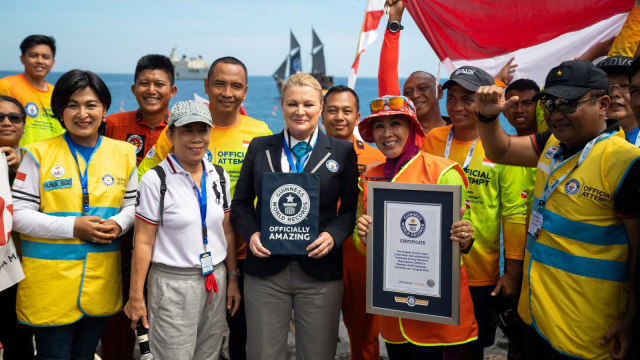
[[486, 119], [468, 248], [394, 26]]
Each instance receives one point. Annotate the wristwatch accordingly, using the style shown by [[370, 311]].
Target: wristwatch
[[233, 273], [394, 26], [486, 119]]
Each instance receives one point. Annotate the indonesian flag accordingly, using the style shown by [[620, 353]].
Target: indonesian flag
[[539, 34], [368, 34]]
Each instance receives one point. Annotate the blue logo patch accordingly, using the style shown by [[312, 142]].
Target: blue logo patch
[[208, 155], [572, 187], [57, 184], [411, 301], [332, 165], [31, 109]]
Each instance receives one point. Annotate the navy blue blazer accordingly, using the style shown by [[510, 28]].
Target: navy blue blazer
[[264, 155]]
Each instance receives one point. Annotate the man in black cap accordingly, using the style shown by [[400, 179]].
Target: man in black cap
[[495, 197], [617, 69], [585, 222]]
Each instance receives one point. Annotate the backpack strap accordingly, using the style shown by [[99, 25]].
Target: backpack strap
[[163, 187], [223, 185]]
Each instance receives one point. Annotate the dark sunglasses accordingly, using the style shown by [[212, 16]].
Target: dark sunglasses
[[15, 118], [563, 105]]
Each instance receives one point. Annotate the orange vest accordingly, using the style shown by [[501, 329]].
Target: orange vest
[[425, 168]]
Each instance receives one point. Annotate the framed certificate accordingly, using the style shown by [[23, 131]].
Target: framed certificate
[[413, 267]]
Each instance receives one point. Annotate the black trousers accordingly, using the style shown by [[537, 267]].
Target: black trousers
[[238, 323], [17, 339], [409, 351]]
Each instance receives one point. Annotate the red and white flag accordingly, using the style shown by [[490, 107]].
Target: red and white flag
[[368, 34], [539, 34]]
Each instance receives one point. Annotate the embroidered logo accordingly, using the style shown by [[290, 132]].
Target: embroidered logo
[[551, 150], [108, 180], [31, 109], [57, 184], [572, 187]]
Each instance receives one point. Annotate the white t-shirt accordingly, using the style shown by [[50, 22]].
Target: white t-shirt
[[179, 240]]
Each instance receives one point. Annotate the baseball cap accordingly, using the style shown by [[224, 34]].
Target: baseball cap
[[572, 79], [470, 78], [189, 111], [616, 64], [407, 111]]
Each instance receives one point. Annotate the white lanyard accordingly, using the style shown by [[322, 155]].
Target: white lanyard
[[447, 148], [637, 143], [548, 189]]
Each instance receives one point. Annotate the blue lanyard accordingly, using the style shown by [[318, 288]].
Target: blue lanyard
[[550, 188], [295, 167], [202, 201], [467, 159], [83, 177]]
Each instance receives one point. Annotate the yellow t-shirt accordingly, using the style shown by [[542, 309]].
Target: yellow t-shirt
[[40, 123], [497, 196]]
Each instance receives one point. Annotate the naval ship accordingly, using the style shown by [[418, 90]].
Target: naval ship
[[194, 68]]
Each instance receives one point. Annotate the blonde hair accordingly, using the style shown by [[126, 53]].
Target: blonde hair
[[302, 79]]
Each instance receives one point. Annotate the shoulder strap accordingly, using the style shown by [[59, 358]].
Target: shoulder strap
[[163, 187], [223, 185]]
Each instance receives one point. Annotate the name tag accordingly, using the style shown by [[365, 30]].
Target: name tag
[[57, 184], [535, 223], [206, 263]]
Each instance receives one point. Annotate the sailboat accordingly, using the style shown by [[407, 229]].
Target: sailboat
[[294, 60]]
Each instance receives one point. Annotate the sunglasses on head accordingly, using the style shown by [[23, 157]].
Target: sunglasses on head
[[563, 105], [15, 118], [395, 103]]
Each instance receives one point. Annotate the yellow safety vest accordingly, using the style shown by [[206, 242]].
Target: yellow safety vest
[[69, 278], [575, 280]]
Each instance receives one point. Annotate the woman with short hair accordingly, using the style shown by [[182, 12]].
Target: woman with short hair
[[311, 284], [71, 202], [186, 234]]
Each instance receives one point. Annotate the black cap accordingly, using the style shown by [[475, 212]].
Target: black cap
[[616, 65], [572, 79], [470, 78]]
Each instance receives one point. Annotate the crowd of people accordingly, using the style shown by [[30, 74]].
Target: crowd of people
[[152, 218]]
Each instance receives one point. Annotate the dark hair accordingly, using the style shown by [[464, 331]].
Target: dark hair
[[16, 103], [228, 60], [634, 68], [75, 80], [428, 74], [155, 62], [523, 85], [340, 89], [33, 40]]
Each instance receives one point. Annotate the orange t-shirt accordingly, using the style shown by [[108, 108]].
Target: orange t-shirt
[[132, 128]]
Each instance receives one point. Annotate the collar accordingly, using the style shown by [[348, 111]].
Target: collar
[[294, 141], [141, 121], [176, 168], [612, 124]]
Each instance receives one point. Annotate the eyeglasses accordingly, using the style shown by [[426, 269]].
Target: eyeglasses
[[15, 118], [395, 103], [563, 105], [622, 88]]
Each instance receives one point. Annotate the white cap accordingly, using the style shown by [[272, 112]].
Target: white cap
[[186, 112]]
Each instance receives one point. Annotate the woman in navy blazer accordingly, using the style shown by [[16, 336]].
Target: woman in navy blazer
[[310, 285]]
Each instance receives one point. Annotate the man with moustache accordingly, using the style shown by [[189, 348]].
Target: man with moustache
[[340, 115]]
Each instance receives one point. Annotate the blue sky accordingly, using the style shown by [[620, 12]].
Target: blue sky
[[109, 36]]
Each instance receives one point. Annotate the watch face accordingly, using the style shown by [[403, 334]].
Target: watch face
[[393, 26]]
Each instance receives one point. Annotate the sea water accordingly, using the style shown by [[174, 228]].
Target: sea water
[[262, 102]]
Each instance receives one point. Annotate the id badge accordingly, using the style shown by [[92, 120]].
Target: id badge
[[535, 224], [206, 263]]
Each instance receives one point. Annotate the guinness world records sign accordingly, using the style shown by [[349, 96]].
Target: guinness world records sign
[[289, 212]]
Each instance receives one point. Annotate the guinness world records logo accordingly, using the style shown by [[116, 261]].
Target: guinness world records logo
[[290, 204], [412, 224]]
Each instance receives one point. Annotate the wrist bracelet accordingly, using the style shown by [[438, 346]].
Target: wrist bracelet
[[486, 119], [233, 273]]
